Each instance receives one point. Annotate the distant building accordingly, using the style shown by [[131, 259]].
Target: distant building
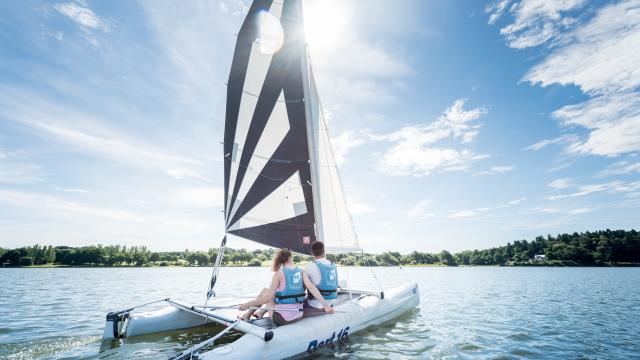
[[539, 258]]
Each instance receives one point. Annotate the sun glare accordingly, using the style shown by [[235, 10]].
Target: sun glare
[[324, 25], [270, 34]]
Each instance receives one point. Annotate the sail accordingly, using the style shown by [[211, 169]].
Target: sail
[[277, 156], [337, 230], [268, 196]]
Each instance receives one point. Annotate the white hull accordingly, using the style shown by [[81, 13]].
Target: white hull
[[305, 335], [310, 333]]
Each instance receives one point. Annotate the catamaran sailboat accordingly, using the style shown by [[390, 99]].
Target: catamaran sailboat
[[282, 189]]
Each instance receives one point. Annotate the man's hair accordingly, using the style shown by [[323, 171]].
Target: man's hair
[[317, 248]]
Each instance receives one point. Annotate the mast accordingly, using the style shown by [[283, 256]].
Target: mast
[[311, 136]]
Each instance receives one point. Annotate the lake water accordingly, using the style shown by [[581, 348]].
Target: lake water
[[467, 312]]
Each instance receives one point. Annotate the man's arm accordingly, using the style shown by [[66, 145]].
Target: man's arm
[[316, 293], [313, 271]]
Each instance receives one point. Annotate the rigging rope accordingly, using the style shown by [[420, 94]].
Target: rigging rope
[[372, 272]]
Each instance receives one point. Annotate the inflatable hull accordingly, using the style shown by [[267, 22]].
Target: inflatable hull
[[310, 334], [262, 341]]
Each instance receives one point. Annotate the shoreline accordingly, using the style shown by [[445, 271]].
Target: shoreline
[[61, 266]]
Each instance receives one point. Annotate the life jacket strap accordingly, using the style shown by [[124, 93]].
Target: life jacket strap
[[282, 297], [323, 292]]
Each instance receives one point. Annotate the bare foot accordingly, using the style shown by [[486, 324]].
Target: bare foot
[[244, 316]]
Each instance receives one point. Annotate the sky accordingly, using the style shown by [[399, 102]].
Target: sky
[[456, 124]]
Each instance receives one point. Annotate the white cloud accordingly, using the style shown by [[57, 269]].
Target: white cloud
[[14, 170], [563, 139], [463, 214], [198, 197], [497, 9], [561, 183], [600, 56], [415, 151], [584, 190], [20, 173], [362, 55], [577, 211], [357, 207], [8, 154], [613, 122], [597, 54], [600, 59], [360, 67], [223, 7], [621, 168], [82, 15], [477, 212], [419, 211], [613, 187], [74, 223], [56, 206], [72, 190], [85, 132], [405, 160], [343, 143], [496, 170], [517, 201], [197, 49], [534, 21]]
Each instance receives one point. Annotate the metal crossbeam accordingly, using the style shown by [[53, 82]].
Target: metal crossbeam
[[188, 354]]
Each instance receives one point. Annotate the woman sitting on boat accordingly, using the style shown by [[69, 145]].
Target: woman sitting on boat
[[284, 299]]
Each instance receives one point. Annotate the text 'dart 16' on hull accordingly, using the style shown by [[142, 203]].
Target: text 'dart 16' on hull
[[282, 189]]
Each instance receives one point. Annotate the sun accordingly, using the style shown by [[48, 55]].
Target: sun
[[324, 25]]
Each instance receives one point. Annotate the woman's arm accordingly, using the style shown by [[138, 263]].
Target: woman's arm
[[316, 293], [265, 297]]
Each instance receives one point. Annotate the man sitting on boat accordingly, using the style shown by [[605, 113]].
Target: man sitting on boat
[[324, 275], [284, 299]]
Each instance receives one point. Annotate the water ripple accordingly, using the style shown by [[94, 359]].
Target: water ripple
[[466, 313]]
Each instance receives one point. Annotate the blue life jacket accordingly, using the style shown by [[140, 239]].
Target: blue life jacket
[[328, 285], [293, 292]]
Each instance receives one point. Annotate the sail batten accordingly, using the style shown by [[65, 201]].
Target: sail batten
[[275, 171]]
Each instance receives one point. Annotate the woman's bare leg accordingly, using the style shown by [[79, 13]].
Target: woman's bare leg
[[247, 314], [269, 305], [260, 313]]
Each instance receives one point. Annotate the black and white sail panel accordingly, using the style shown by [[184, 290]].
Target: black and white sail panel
[[268, 195]]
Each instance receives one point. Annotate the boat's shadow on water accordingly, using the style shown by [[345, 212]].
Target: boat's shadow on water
[[365, 343], [167, 343]]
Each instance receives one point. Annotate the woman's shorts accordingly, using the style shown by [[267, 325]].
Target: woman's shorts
[[279, 320]]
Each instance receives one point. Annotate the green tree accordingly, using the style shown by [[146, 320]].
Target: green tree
[[255, 262], [447, 258], [26, 261]]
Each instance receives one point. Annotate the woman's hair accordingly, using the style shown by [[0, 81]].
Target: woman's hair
[[280, 258]]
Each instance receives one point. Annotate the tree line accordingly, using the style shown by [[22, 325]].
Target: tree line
[[606, 247], [597, 248]]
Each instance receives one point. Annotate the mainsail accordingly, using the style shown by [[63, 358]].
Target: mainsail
[[282, 186]]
